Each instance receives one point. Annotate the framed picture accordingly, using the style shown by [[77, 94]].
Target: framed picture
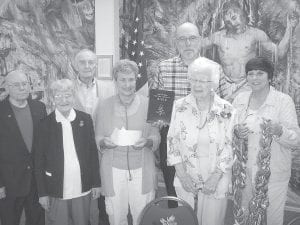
[[105, 65]]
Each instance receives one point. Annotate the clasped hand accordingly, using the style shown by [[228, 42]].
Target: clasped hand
[[2, 192], [242, 131], [189, 184], [210, 185], [159, 124], [274, 128]]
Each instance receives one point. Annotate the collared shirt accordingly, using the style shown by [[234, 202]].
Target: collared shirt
[[88, 95], [72, 187], [172, 76]]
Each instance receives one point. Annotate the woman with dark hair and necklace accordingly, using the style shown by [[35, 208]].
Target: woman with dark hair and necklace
[[128, 174], [265, 136], [199, 144]]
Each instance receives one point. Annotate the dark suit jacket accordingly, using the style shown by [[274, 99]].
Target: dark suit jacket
[[49, 155], [16, 162]]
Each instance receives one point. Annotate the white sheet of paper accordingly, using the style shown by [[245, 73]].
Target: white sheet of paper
[[123, 137]]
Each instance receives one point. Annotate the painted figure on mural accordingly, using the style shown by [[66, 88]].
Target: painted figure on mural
[[238, 42]]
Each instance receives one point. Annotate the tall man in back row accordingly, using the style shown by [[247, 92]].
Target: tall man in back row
[[172, 76], [89, 91], [19, 116]]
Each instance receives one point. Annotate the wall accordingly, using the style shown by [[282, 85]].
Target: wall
[[107, 28]]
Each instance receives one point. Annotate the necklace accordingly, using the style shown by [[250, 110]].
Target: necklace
[[204, 123], [207, 114]]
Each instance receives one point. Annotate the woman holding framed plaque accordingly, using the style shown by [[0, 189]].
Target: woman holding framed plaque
[[127, 144], [199, 144]]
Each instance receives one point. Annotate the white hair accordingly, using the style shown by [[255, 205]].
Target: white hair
[[205, 67], [62, 85], [14, 73]]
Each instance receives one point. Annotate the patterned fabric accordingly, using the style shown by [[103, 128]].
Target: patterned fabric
[[183, 138], [279, 108], [172, 76]]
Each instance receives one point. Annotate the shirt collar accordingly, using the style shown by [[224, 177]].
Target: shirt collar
[[180, 60], [61, 119], [81, 84], [270, 100]]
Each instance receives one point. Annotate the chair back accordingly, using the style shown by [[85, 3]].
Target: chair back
[[155, 214]]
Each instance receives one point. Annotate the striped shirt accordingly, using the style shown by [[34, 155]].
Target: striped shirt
[[172, 76]]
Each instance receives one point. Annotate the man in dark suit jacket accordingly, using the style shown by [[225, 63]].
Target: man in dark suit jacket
[[18, 118], [66, 160]]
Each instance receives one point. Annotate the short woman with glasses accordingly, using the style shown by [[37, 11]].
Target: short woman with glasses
[[266, 134], [127, 169], [199, 144], [66, 160]]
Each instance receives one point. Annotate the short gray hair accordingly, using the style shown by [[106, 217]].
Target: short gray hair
[[125, 66], [13, 73], [62, 85], [207, 67]]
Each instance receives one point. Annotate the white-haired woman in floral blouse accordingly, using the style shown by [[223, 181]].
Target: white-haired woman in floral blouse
[[199, 144]]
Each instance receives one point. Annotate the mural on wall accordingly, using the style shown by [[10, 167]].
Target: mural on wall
[[41, 37], [270, 23]]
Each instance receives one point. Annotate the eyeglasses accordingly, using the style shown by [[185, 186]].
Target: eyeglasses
[[191, 39], [196, 81], [61, 96], [19, 84]]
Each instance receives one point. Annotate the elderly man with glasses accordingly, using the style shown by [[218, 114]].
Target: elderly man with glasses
[[19, 116]]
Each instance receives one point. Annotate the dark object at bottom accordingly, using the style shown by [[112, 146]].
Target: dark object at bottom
[[168, 171]]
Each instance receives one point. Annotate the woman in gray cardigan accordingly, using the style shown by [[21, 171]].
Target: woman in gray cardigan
[[127, 172]]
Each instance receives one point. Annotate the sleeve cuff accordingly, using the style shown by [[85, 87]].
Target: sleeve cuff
[[155, 141], [287, 134], [171, 161]]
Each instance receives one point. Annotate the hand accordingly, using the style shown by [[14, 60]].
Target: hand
[[241, 131], [2, 193], [188, 184], [159, 124], [96, 193], [107, 143], [142, 142], [210, 185], [274, 128], [45, 202]]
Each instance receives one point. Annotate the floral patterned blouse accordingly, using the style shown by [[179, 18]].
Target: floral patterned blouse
[[183, 136]]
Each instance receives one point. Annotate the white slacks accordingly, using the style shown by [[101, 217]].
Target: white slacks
[[127, 193], [211, 211]]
